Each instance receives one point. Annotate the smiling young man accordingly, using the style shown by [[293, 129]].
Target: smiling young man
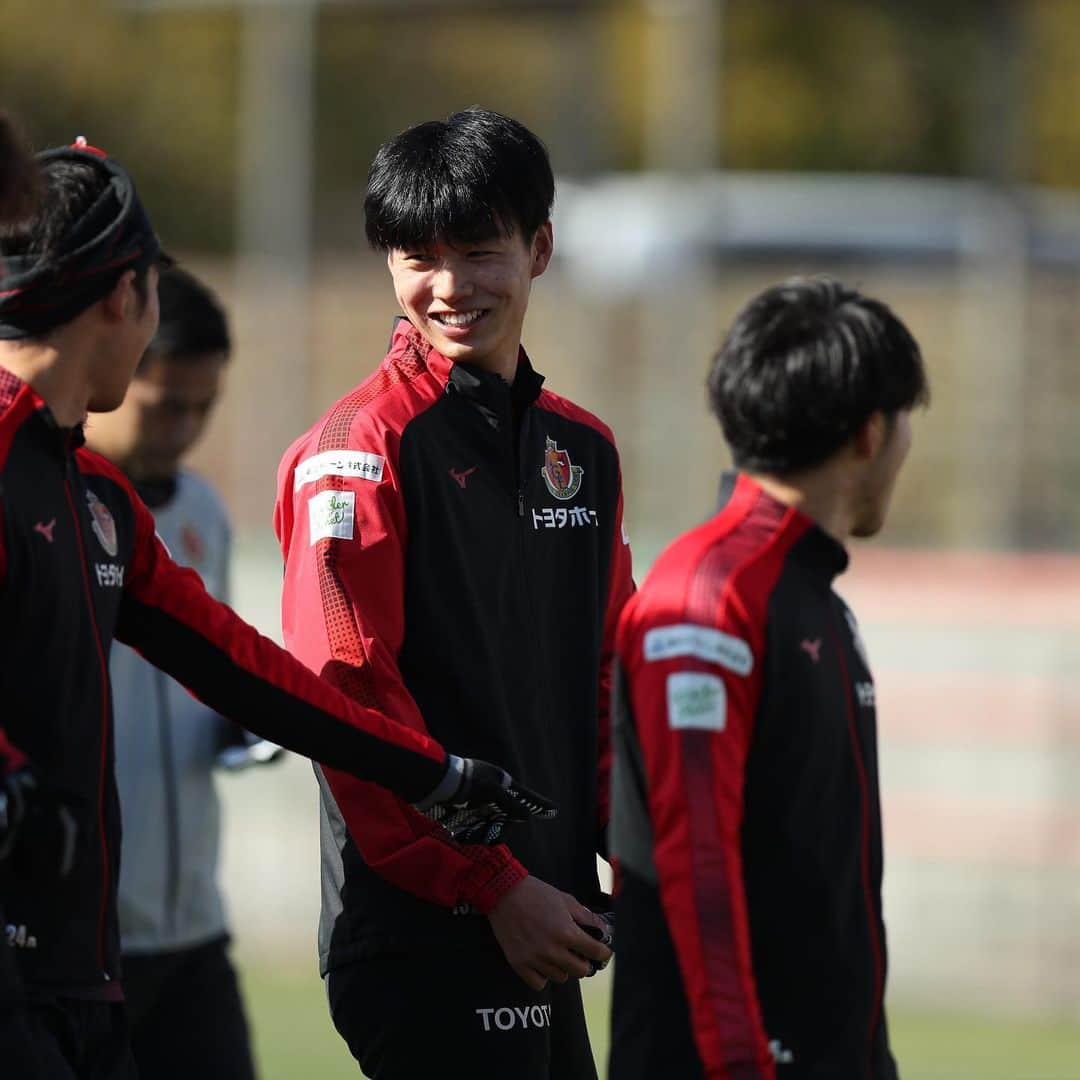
[[454, 552], [81, 565], [746, 820]]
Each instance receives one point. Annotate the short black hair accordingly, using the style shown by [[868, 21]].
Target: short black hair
[[469, 177], [69, 189], [193, 324], [20, 181], [804, 366]]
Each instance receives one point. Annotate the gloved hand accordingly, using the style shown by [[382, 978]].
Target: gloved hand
[[37, 828], [605, 936], [475, 801]]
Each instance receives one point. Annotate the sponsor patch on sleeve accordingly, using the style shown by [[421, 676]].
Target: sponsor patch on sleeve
[[703, 642], [696, 700], [331, 514], [358, 464]]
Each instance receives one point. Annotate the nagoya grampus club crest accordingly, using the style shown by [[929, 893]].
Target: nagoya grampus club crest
[[101, 521], [562, 477]]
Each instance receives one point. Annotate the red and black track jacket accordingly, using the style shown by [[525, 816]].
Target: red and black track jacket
[[11, 759], [80, 565], [454, 553], [746, 823]]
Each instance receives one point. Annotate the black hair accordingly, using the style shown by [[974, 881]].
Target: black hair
[[70, 189], [19, 178], [193, 324], [464, 179], [804, 366]]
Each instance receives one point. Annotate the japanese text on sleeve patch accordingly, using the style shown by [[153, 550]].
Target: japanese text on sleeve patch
[[331, 514], [696, 700], [702, 642], [358, 464]]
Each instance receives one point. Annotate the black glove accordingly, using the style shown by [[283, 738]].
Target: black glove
[[37, 828], [605, 936], [475, 800], [16, 793]]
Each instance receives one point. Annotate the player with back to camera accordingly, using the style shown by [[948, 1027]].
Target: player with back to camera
[[81, 565], [183, 1000], [746, 819], [454, 551]]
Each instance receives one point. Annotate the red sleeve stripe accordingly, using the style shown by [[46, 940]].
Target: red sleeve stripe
[[17, 401], [353, 672], [760, 533], [561, 407], [11, 757]]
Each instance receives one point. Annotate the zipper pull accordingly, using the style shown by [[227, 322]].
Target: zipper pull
[[521, 504]]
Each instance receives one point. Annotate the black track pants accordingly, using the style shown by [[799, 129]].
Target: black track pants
[[67, 1039], [458, 1016], [187, 1017]]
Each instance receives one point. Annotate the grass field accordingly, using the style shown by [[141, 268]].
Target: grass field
[[294, 1037]]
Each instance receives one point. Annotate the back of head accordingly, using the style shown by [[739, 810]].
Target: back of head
[[89, 228], [192, 325], [804, 366], [19, 180], [467, 178]]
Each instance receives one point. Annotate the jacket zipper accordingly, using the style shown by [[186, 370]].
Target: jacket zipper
[[104, 669], [864, 788], [172, 803]]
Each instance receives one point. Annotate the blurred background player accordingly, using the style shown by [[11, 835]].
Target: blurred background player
[[747, 826], [468, 581], [181, 991], [81, 564]]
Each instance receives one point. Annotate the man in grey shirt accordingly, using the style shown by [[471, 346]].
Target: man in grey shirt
[[184, 1003]]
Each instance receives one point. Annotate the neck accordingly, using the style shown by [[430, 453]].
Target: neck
[[503, 366], [54, 375], [820, 494]]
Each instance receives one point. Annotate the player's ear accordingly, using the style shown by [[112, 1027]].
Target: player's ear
[[543, 243], [871, 436], [118, 301]]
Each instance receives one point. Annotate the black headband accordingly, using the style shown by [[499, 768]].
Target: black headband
[[113, 235]]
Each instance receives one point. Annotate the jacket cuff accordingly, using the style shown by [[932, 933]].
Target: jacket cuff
[[496, 875], [11, 757]]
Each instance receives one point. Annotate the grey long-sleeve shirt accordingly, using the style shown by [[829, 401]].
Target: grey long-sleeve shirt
[[166, 746]]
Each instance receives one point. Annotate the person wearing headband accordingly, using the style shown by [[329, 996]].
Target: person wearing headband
[[80, 565], [22, 806]]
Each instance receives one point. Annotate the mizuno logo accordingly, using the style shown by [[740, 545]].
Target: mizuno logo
[[812, 649], [46, 530], [461, 477]]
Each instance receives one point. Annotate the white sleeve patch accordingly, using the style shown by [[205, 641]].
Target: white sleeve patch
[[357, 464], [696, 700], [331, 513], [702, 642]]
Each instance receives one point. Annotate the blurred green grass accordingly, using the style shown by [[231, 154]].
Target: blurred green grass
[[294, 1036]]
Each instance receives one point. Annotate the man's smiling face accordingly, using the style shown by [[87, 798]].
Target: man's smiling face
[[469, 299]]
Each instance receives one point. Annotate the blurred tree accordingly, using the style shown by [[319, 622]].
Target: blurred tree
[[158, 92], [887, 85]]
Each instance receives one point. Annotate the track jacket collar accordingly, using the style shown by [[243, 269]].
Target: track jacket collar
[[486, 391], [61, 439], [817, 549]]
